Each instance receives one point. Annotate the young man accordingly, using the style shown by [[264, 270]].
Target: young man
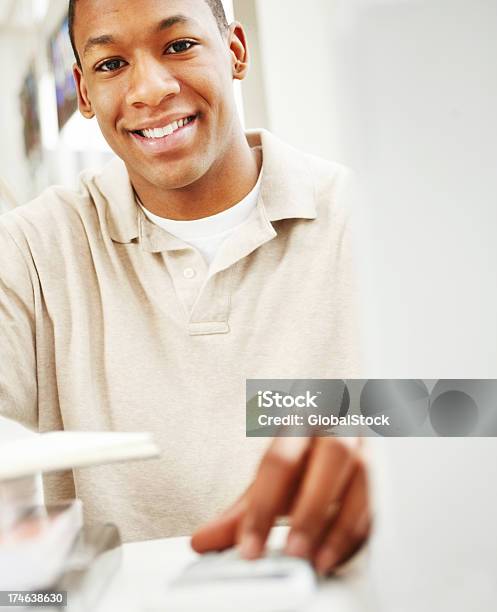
[[202, 257]]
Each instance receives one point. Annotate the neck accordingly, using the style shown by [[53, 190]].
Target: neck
[[225, 184]]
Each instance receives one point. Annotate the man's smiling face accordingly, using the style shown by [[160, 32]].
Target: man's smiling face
[[158, 76]]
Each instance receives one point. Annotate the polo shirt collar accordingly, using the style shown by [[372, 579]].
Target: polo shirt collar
[[122, 212], [287, 188], [287, 192]]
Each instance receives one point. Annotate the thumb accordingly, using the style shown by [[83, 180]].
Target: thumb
[[222, 532]]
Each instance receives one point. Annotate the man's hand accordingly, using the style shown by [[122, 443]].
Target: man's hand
[[320, 483]]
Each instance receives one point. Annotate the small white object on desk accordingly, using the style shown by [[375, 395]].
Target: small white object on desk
[[224, 581], [150, 569]]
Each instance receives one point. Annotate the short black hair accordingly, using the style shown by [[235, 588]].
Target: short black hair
[[216, 7]]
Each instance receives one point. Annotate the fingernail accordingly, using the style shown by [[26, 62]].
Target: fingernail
[[326, 560], [298, 545], [250, 546]]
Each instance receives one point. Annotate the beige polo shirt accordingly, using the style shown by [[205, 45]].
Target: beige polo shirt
[[108, 322]]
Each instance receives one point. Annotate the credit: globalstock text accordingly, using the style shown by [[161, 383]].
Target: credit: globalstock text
[[327, 421]]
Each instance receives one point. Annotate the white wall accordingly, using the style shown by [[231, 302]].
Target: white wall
[[296, 42], [418, 109], [404, 91]]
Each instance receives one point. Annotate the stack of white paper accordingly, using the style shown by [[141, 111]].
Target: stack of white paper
[[62, 450]]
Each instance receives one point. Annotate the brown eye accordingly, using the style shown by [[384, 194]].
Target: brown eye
[[180, 46], [110, 65]]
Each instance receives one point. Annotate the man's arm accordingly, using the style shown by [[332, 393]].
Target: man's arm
[[18, 384]]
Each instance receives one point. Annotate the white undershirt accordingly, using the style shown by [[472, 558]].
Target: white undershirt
[[208, 234]]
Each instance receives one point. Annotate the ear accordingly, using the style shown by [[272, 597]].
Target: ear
[[84, 102], [239, 51]]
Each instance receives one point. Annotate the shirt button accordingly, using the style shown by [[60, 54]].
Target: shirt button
[[189, 273]]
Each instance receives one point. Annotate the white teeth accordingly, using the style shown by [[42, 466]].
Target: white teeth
[[165, 131]]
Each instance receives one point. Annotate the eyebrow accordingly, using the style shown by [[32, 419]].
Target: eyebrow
[[165, 24], [108, 39]]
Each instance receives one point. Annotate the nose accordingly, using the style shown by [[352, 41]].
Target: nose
[[151, 82]]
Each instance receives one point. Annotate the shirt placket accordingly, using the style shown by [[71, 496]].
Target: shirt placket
[[205, 292]]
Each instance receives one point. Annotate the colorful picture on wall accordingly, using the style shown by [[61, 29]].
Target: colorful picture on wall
[[62, 62], [30, 113]]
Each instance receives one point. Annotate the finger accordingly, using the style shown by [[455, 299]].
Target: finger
[[220, 533], [351, 526], [272, 490], [329, 469]]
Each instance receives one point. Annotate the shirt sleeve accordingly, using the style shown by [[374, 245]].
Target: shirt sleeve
[[18, 381]]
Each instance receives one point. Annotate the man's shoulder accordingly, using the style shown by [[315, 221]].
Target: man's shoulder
[[329, 176], [326, 176], [333, 183], [56, 210]]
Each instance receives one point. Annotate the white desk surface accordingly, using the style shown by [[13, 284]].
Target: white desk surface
[[434, 546], [148, 567]]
